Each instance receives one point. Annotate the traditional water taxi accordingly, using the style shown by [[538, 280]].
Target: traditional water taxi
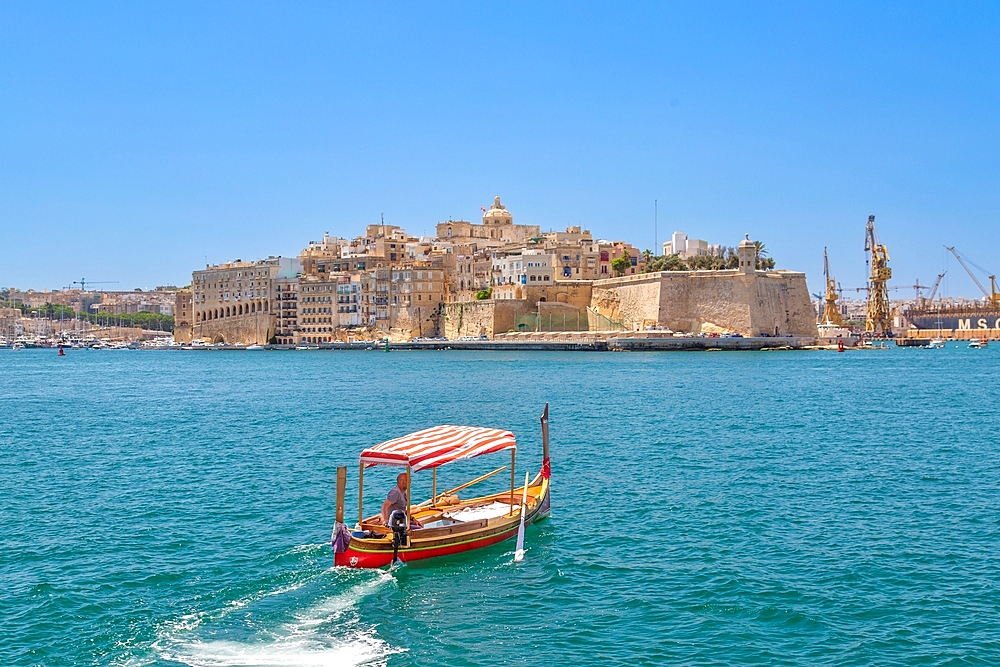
[[447, 525]]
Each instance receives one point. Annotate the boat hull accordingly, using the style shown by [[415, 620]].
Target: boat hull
[[368, 553], [958, 319]]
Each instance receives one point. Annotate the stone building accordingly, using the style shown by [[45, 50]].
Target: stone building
[[286, 310], [467, 270], [183, 317], [416, 293], [317, 309], [527, 266], [497, 229], [233, 302], [349, 301]]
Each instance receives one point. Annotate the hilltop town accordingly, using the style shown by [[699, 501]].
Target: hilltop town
[[482, 279], [479, 279]]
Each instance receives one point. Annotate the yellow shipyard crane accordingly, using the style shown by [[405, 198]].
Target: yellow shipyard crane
[[831, 312], [879, 320]]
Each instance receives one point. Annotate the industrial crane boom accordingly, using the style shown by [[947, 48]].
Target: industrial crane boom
[[992, 295], [878, 320], [83, 282], [936, 284], [831, 313]]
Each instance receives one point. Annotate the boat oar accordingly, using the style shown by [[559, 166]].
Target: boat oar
[[519, 552], [464, 486]]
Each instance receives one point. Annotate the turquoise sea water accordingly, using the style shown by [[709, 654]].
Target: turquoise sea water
[[779, 508]]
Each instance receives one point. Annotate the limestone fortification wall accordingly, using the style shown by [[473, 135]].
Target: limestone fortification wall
[[781, 305], [414, 322], [483, 318], [182, 332], [773, 302], [574, 292], [253, 329]]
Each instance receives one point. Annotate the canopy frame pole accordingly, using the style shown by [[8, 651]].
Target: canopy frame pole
[[434, 486], [513, 453], [409, 489], [361, 495]]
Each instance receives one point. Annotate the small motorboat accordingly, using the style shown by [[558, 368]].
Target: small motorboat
[[936, 344], [254, 347], [976, 344], [447, 525]]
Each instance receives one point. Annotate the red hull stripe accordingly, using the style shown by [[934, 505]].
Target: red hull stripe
[[382, 558]]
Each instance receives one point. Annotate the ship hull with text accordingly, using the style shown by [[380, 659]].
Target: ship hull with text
[[954, 318]]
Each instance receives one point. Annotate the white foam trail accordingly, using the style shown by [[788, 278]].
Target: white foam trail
[[332, 608], [189, 622], [362, 649], [305, 642]]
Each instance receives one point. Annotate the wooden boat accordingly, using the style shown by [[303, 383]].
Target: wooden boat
[[448, 526]]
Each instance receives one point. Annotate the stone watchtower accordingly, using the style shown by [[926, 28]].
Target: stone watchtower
[[747, 254]]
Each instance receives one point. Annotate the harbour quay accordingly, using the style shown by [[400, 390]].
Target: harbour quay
[[568, 342]]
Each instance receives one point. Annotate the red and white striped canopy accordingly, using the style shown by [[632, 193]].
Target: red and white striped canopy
[[439, 445]]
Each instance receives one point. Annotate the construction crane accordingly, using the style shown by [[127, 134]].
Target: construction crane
[[831, 312], [992, 295], [83, 282], [916, 287], [878, 320], [937, 283]]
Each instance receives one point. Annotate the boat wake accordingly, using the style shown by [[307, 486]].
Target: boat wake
[[312, 622], [364, 649]]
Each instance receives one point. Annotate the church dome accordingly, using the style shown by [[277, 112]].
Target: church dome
[[498, 214]]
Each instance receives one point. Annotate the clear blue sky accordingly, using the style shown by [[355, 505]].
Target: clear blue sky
[[137, 139]]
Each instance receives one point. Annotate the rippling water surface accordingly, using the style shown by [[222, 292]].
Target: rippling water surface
[[780, 508]]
